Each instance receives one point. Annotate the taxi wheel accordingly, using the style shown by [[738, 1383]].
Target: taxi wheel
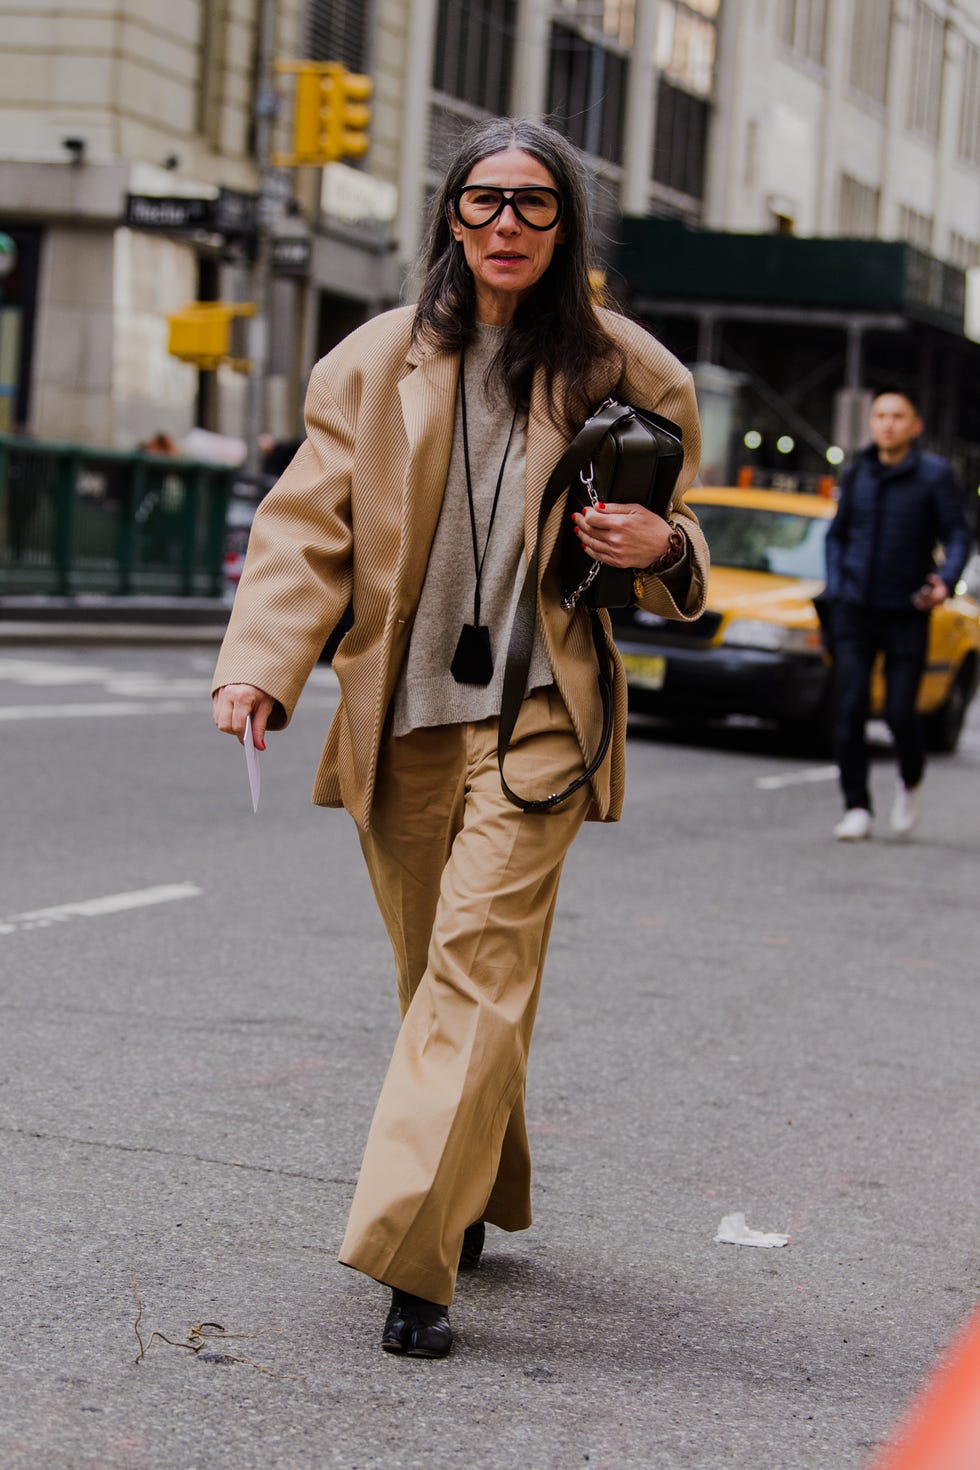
[[943, 728]]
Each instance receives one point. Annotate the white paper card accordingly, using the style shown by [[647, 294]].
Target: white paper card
[[252, 764], [734, 1231]]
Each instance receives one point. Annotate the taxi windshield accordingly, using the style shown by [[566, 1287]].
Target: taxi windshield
[[758, 540]]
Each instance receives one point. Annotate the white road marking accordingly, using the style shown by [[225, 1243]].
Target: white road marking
[[796, 778], [45, 674], [97, 711], [131, 683], [93, 908], [50, 671], [136, 691]]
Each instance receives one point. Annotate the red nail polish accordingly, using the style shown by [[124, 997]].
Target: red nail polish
[[600, 505]]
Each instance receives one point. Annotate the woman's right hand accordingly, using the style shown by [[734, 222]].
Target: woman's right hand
[[233, 703]]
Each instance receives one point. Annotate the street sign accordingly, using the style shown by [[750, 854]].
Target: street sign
[[291, 255], [356, 197], [276, 193], [234, 212], [277, 183], [168, 212]]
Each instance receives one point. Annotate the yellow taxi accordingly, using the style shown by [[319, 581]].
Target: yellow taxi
[[757, 649]]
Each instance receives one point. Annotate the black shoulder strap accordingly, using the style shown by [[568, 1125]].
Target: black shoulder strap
[[581, 449]]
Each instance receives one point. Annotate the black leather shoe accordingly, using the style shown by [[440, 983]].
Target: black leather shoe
[[472, 1249], [416, 1327]]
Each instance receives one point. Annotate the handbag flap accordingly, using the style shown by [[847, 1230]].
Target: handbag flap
[[637, 461]]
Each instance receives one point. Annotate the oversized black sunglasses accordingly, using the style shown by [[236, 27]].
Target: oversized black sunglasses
[[477, 205]]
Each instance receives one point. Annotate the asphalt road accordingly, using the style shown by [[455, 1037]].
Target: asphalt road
[[196, 1009]]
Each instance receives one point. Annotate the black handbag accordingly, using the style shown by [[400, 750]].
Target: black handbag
[[621, 455], [625, 455]]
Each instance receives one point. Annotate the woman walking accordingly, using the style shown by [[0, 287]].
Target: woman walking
[[431, 433]]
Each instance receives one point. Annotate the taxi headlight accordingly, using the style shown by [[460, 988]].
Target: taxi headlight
[[772, 637]]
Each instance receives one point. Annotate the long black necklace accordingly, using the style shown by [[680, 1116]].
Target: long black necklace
[[473, 660]]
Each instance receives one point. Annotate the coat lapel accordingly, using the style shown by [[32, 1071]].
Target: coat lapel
[[545, 444], [428, 397]]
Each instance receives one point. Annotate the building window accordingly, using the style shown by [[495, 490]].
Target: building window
[[969, 139], [925, 89], [803, 28], [962, 251], [472, 69], [914, 227], [475, 52], [611, 19], [587, 92], [870, 41], [685, 46], [680, 140], [339, 30], [858, 209]]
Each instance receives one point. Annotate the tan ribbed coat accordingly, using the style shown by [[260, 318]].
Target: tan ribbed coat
[[354, 516]]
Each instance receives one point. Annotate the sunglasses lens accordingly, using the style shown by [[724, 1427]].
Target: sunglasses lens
[[477, 206], [537, 207]]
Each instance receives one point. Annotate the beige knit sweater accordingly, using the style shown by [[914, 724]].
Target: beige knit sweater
[[427, 694]]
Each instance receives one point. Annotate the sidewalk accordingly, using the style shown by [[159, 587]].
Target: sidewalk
[[91, 619]]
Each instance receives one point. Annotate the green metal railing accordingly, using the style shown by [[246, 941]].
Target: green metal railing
[[75, 519]]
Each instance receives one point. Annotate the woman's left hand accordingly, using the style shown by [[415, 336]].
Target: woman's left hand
[[622, 535]]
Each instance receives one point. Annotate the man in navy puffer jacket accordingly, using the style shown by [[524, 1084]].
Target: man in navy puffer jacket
[[897, 504]]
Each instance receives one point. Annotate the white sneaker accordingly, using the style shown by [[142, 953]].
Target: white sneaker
[[905, 809], [854, 825]]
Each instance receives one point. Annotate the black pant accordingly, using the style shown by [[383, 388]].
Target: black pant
[[859, 633]]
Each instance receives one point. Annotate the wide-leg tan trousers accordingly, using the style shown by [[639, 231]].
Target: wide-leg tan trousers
[[467, 884]]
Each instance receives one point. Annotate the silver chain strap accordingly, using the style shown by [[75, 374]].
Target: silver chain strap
[[568, 602]]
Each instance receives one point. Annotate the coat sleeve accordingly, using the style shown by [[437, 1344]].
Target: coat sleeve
[[679, 592], [297, 577]]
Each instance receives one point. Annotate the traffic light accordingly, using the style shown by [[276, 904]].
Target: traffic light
[[201, 333], [308, 116], [349, 116], [330, 112]]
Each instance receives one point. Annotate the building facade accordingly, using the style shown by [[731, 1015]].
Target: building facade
[[111, 100], [856, 119], [629, 81], [100, 101], [107, 103]]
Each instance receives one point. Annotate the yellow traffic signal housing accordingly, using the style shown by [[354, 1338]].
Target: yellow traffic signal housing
[[308, 116], [201, 333], [348, 116], [330, 113]]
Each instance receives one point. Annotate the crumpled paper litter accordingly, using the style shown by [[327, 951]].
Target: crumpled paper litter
[[734, 1231]]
